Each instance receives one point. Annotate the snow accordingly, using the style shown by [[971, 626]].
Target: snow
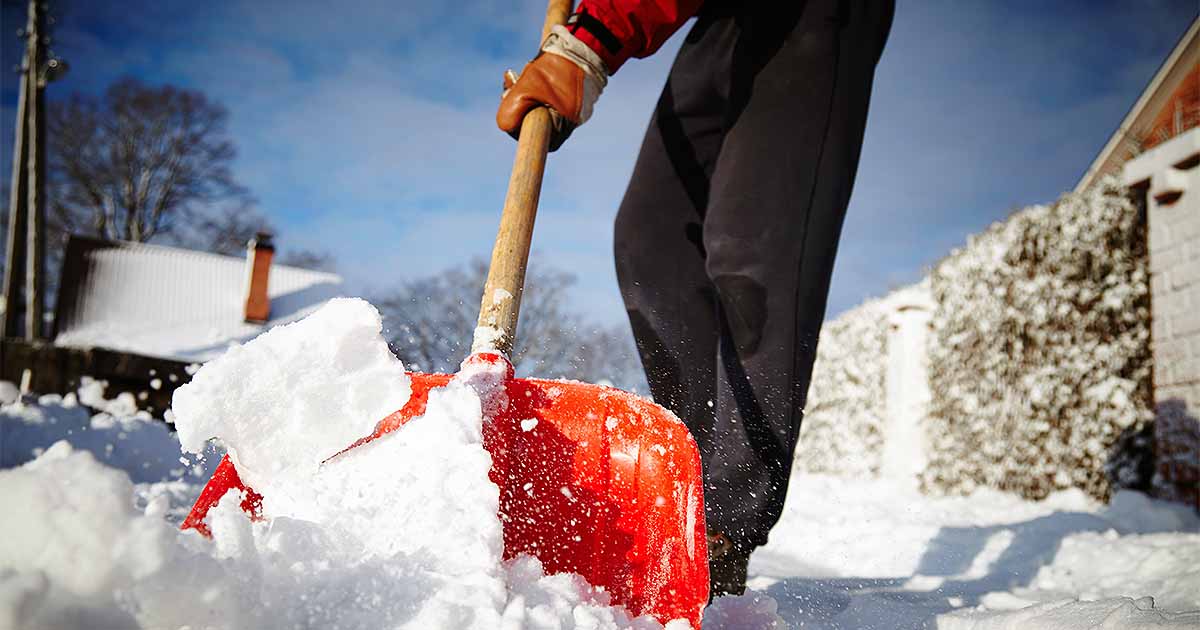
[[9, 392], [878, 554], [847, 554], [565, 600], [1068, 615], [294, 397], [117, 436], [403, 533], [499, 295], [486, 338], [752, 610]]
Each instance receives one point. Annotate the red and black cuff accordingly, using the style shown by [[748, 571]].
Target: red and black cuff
[[588, 29]]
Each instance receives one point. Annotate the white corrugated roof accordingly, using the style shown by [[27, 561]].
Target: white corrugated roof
[[170, 302]]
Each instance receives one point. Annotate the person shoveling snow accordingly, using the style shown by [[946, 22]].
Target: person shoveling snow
[[461, 508], [725, 240]]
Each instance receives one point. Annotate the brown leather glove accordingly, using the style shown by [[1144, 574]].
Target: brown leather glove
[[567, 76]]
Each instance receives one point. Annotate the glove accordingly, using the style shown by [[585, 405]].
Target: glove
[[567, 76]]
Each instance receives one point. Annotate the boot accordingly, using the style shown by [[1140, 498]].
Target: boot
[[726, 567]]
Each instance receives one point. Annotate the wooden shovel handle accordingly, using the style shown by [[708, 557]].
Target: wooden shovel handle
[[497, 326]]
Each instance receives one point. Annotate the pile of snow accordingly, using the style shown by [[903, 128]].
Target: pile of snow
[[77, 554], [400, 533], [1040, 358], [74, 544], [403, 532], [842, 432]]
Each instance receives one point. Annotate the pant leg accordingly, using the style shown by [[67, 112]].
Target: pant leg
[[800, 84], [658, 241]]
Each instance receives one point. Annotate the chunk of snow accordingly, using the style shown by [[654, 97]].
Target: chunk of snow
[[294, 397], [91, 392], [9, 393]]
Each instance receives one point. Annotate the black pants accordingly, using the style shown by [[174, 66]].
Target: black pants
[[726, 237]]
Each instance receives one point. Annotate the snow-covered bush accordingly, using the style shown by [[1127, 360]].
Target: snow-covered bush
[[1040, 356], [842, 431]]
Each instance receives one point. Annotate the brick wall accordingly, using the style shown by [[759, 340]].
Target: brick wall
[[1168, 178]]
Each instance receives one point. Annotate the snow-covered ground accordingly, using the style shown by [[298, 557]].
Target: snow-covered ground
[[89, 538], [860, 554]]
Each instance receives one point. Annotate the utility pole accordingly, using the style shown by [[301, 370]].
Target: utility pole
[[35, 245], [14, 268], [24, 273]]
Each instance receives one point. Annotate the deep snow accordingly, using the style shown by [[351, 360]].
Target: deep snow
[[83, 546]]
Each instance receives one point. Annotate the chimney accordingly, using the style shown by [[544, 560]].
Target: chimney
[[259, 252]]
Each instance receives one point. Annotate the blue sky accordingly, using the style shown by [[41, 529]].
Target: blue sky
[[366, 128]]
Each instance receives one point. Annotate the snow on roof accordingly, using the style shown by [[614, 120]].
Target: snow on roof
[[170, 302]]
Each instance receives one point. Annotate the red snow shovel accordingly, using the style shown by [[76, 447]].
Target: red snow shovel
[[604, 484]]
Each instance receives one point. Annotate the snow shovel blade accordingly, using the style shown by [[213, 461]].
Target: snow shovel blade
[[605, 484]]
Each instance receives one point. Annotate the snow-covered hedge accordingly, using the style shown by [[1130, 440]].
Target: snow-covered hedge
[[1040, 353], [842, 431]]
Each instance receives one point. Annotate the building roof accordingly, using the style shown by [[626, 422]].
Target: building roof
[[1145, 118], [170, 302]]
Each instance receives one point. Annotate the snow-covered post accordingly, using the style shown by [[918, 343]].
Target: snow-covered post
[[906, 384], [1168, 179]]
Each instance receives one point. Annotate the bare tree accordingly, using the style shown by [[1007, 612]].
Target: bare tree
[[316, 260], [225, 231], [138, 163], [429, 322], [149, 163]]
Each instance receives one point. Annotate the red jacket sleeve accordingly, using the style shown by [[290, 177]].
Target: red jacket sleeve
[[620, 29]]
